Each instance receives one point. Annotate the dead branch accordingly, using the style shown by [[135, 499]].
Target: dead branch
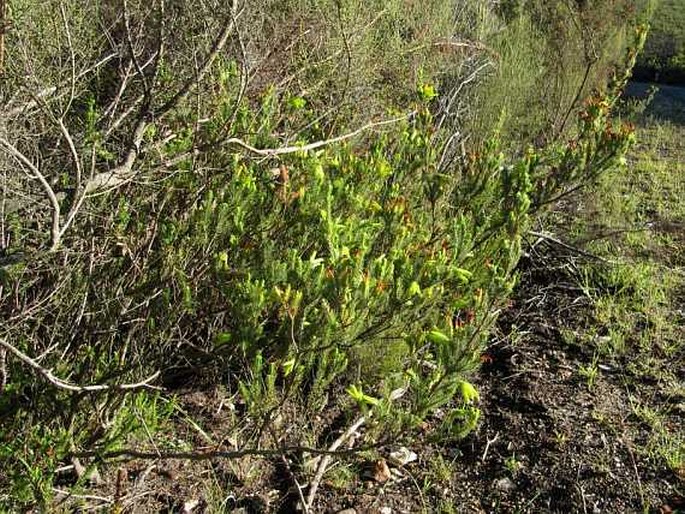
[[72, 59], [270, 152], [47, 188], [188, 87], [488, 443], [132, 50], [454, 94], [3, 27], [125, 172], [208, 454], [72, 149], [293, 478], [580, 251], [124, 115], [62, 384], [49, 91], [323, 465], [3, 369]]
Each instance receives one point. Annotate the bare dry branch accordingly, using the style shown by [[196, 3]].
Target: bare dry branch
[[72, 149], [62, 384], [270, 152], [132, 49], [3, 25], [554, 240], [72, 59], [124, 172], [208, 453], [188, 87], [3, 369], [447, 110], [124, 115], [47, 188], [49, 91], [323, 465]]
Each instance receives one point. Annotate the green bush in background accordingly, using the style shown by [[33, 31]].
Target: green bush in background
[[663, 59], [550, 55]]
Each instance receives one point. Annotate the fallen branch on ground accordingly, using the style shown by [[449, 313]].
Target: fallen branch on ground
[[208, 453], [554, 240], [324, 462]]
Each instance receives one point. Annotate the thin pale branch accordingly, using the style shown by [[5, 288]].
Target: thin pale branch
[[3, 27], [124, 115], [270, 152], [72, 58], [72, 149], [323, 465], [187, 88], [575, 249], [62, 384], [14, 152], [3, 369], [447, 110], [49, 91], [132, 50], [208, 453], [129, 74], [124, 172]]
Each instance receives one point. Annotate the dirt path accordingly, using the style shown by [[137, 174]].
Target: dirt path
[[668, 103]]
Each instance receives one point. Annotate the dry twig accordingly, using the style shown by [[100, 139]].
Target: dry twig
[[62, 384], [45, 185], [208, 454], [125, 172], [323, 465], [487, 446], [3, 26], [270, 152], [554, 240]]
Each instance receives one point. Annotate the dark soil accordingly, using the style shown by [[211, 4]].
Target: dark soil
[[579, 449], [547, 443]]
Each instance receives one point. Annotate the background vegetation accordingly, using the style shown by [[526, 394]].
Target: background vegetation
[[663, 59]]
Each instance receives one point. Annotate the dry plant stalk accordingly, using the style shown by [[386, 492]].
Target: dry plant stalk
[[63, 384], [3, 27]]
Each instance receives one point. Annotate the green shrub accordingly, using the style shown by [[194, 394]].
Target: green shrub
[[243, 254], [663, 59]]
